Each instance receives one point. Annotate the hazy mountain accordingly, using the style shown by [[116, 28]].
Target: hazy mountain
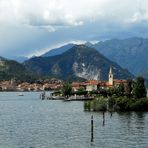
[[2, 58], [20, 59], [62, 49], [58, 51], [78, 62], [131, 53], [145, 74], [89, 44]]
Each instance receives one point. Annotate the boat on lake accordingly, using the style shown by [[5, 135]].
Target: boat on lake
[[78, 98], [20, 94]]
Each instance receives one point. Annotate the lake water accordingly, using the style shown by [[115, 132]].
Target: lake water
[[28, 122]]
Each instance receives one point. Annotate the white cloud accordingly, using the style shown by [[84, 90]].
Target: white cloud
[[61, 12], [140, 16], [37, 13], [55, 13]]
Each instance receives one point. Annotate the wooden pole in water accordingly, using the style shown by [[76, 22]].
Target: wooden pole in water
[[103, 118], [92, 129], [111, 114]]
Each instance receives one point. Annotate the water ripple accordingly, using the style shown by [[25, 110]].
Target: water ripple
[[31, 123]]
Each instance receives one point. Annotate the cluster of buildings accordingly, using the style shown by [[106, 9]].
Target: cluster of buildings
[[93, 85], [25, 86], [90, 85]]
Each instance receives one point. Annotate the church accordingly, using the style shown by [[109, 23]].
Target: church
[[114, 82]]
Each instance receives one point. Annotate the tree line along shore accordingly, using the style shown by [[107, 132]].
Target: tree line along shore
[[133, 98]]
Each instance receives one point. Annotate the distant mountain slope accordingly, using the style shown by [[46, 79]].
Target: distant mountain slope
[[145, 75], [11, 69], [131, 53], [2, 58], [19, 59], [58, 51], [80, 61]]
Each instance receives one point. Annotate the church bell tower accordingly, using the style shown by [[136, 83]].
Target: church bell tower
[[110, 76]]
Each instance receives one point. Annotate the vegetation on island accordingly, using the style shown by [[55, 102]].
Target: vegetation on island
[[67, 90], [131, 97]]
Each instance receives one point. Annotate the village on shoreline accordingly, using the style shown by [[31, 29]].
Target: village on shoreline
[[111, 95], [56, 84]]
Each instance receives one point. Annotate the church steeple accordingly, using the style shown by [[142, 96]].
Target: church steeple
[[110, 76]]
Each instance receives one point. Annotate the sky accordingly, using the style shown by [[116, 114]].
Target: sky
[[32, 27]]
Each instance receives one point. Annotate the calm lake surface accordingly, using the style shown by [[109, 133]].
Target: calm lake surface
[[28, 122]]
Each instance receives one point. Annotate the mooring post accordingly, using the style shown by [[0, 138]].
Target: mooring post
[[92, 129], [111, 114], [103, 118]]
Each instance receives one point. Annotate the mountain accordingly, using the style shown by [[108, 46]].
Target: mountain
[[145, 75], [131, 53], [20, 59], [62, 49], [2, 58], [58, 51], [89, 44], [11, 69], [78, 62]]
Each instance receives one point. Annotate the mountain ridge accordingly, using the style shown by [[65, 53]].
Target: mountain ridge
[[79, 61], [130, 53], [57, 51]]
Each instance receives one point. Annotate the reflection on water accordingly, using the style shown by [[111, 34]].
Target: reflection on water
[[30, 122]]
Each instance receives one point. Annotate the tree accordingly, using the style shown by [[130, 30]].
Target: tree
[[139, 90], [67, 90], [117, 90], [120, 90], [81, 91], [128, 88]]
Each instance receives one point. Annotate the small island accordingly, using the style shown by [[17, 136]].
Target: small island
[[129, 97]]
